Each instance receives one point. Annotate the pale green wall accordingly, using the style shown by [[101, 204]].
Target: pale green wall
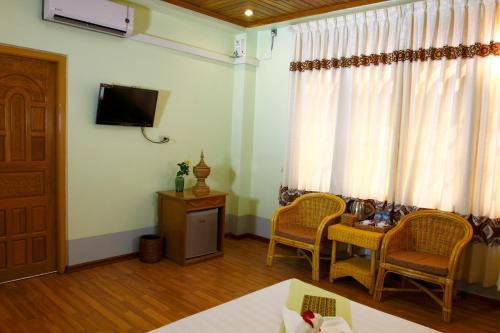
[[238, 114], [270, 120], [259, 130], [112, 171], [242, 140], [194, 33]]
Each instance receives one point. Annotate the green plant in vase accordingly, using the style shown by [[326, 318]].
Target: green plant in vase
[[179, 179]]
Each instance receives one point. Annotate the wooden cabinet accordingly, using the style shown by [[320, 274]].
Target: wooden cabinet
[[173, 210]]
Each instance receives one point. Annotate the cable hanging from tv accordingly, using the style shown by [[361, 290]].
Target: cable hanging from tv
[[163, 139]]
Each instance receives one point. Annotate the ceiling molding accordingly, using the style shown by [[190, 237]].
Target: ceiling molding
[[266, 11]]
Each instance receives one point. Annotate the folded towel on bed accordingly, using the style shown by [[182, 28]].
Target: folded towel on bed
[[299, 289], [311, 322]]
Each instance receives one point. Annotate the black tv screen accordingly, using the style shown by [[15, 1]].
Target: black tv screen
[[126, 106]]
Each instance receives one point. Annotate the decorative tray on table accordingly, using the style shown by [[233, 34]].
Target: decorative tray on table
[[374, 226]]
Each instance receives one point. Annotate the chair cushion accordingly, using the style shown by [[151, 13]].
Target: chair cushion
[[297, 232], [420, 261]]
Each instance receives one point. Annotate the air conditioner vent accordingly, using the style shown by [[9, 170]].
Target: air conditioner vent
[[89, 26], [97, 15]]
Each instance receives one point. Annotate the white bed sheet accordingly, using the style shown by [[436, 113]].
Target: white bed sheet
[[260, 311]]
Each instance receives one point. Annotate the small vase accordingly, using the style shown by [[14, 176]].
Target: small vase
[[179, 184]]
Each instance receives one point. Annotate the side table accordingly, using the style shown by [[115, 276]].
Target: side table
[[363, 270], [185, 236]]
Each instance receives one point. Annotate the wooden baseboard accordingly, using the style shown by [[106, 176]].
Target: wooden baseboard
[[247, 235], [101, 262]]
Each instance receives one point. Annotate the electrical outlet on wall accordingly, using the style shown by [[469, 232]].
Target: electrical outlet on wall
[[240, 49]]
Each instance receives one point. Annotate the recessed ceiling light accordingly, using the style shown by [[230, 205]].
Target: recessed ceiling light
[[248, 12]]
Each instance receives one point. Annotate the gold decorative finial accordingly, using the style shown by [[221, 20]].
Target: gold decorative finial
[[201, 172]]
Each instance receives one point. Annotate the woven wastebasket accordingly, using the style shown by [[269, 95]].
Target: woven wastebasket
[[150, 249]]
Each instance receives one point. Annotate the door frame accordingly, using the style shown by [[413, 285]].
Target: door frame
[[60, 134]]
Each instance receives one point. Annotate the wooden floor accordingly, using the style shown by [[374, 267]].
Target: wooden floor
[[131, 296]]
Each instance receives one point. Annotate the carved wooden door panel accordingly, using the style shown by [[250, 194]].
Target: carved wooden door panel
[[27, 167]]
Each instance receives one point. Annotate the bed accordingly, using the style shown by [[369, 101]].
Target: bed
[[261, 311]]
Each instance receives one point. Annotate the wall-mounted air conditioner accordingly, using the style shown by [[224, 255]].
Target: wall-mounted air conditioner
[[98, 15]]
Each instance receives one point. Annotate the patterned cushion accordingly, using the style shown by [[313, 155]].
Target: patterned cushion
[[296, 232], [420, 261]]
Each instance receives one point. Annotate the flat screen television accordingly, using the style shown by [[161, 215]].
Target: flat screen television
[[126, 106]]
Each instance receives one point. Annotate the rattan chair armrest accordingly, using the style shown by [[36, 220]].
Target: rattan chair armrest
[[457, 252], [327, 221], [394, 240]]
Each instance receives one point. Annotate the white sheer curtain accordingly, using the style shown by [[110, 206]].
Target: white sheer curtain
[[344, 123], [422, 133], [449, 151]]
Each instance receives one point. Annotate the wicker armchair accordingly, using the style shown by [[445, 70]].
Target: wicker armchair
[[303, 224], [425, 245]]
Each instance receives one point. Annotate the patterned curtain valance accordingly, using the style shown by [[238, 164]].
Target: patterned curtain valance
[[432, 53], [486, 230]]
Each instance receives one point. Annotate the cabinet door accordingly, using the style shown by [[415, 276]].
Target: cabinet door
[[201, 233]]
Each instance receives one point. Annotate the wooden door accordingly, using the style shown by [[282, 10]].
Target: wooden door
[[27, 167]]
